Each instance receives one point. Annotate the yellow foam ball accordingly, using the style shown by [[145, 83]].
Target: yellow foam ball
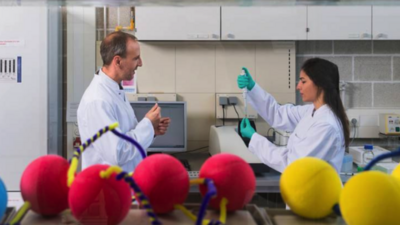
[[310, 187], [371, 198], [396, 172]]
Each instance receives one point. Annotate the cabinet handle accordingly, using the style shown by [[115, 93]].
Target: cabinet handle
[[230, 36], [365, 35], [382, 36]]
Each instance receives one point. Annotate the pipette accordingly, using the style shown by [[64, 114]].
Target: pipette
[[244, 96]]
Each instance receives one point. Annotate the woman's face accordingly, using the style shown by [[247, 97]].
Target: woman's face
[[307, 88]]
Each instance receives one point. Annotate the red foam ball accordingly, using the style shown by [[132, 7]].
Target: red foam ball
[[44, 185], [94, 200], [163, 180], [233, 178]]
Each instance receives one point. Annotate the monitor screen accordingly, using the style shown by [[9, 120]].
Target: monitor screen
[[175, 138]]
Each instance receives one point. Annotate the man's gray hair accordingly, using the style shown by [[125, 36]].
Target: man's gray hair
[[114, 44]]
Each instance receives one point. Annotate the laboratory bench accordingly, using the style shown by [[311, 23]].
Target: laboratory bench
[[251, 214], [265, 208], [265, 182], [267, 193]]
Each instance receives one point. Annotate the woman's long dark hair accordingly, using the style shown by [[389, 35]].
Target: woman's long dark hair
[[325, 76]]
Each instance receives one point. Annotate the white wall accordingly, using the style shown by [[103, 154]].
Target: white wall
[[23, 113], [81, 48], [198, 71]]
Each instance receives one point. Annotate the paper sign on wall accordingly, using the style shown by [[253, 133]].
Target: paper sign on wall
[[130, 85], [72, 112], [12, 42]]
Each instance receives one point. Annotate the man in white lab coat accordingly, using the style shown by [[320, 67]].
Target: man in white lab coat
[[104, 102], [319, 130]]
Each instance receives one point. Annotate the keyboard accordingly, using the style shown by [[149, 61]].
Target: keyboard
[[193, 174], [185, 163]]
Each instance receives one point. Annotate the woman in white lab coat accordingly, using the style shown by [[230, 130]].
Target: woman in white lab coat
[[319, 130]]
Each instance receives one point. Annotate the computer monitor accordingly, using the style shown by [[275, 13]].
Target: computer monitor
[[175, 140]]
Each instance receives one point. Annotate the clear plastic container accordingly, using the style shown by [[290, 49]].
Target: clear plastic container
[[367, 156], [347, 164]]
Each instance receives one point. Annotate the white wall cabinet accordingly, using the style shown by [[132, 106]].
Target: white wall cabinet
[[264, 23], [339, 22], [385, 22], [178, 23], [268, 23]]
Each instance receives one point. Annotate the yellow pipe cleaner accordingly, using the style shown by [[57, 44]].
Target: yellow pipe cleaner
[[75, 159]]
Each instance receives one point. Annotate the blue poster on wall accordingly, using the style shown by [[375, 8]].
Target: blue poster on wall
[[10, 70]]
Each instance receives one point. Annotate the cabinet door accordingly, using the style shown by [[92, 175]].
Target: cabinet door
[[264, 23], [177, 23], [385, 22], [339, 22]]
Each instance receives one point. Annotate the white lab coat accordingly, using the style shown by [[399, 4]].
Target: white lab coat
[[102, 104], [319, 135]]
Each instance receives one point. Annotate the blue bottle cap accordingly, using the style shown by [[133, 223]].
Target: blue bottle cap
[[368, 147]]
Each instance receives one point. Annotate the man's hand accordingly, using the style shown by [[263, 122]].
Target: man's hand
[[154, 116], [162, 126]]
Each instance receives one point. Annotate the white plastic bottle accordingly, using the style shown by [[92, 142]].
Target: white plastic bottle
[[368, 154]]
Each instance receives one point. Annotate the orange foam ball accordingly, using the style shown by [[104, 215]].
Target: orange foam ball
[[94, 200], [233, 178], [44, 185], [163, 180]]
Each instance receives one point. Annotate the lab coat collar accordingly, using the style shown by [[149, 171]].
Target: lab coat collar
[[321, 110], [108, 81]]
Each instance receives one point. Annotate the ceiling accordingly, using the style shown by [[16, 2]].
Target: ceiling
[[195, 2]]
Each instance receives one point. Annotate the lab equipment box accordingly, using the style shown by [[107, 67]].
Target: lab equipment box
[[358, 151], [389, 123]]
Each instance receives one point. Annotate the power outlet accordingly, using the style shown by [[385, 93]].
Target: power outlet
[[354, 122]]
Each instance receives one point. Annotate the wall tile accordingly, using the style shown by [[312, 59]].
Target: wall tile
[[125, 16], [112, 17], [299, 62], [396, 68], [195, 67], [231, 57], [372, 68], [158, 71], [358, 95], [352, 47], [275, 66], [314, 47], [345, 65], [386, 95], [386, 47], [99, 17], [201, 114]]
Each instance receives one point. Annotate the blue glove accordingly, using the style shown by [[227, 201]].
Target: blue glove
[[246, 81], [246, 129]]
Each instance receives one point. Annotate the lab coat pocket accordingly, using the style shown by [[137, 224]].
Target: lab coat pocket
[[297, 136]]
